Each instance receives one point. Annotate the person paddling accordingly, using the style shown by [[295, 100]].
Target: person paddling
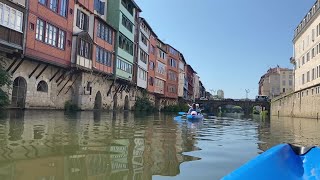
[[193, 109]]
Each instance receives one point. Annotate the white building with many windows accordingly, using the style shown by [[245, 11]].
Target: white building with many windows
[[143, 53], [306, 57]]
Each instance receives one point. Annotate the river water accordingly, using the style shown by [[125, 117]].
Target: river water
[[53, 145]]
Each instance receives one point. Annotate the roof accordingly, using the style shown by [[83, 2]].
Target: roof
[[182, 58], [147, 24], [136, 5], [192, 68]]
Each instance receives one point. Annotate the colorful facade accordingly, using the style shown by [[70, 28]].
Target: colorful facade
[[171, 90], [87, 53], [122, 14]]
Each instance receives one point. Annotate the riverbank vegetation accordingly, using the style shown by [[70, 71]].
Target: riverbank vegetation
[[5, 82], [144, 104], [176, 108]]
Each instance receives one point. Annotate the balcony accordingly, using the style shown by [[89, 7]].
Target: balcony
[[11, 38]]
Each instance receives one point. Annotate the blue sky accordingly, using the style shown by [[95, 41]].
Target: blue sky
[[230, 43]]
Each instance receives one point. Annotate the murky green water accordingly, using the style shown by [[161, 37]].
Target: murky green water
[[52, 145]]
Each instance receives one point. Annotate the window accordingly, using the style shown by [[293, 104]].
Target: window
[[104, 32], [82, 20], [124, 66], [142, 74], [313, 73], [144, 57], [303, 79], [161, 68], [181, 66], [53, 5], [151, 81], [40, 30], [84, 49], [173, 51], [63, 8], [172, 76], [144, 39], [162, 54], [308, 76], [284, 90], [51, 35], [312, 54], [128, 5], [303, 60], [103, 56], [308, 56], [42, 86], [290, 82], [10, 17], [151, 65], [61, 39], [99, 6], [44, 2], [283, 83], [125, 44], [173, 63], [127, 23], [152, 51]]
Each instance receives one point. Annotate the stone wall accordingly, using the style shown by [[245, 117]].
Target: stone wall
[[72, 85], [38, 99], [304, 103]]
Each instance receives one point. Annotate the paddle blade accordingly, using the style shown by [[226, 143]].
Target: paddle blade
[[182, 113]]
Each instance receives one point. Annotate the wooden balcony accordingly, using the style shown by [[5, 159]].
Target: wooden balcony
[[11, 38]]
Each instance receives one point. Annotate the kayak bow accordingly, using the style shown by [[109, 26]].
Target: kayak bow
[[283, 161]]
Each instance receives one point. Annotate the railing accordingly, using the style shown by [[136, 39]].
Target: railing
[[10, 36]]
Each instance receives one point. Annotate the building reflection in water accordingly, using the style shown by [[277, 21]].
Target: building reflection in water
[[90, 145], [299, 131]]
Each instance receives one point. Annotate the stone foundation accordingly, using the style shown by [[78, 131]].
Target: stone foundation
[[304, 103], [85, 89]]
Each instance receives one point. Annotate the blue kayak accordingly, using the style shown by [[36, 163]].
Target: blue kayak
[[194, 117], [283, 161]]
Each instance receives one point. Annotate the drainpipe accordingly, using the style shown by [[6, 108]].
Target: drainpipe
[[25, 20]]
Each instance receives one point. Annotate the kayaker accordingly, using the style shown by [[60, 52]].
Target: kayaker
[[192, 109], [198, 110]]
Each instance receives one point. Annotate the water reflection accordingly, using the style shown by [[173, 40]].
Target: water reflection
[[89, 145], [99, 145]]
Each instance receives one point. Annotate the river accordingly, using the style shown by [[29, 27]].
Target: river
[[54, 145]]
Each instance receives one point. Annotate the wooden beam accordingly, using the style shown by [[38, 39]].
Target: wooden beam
[[60, 76], [34, 70], [65, 85], [16, 68], [109, 91], [12, 64], [72, 84], [43, 69], [54, 75]]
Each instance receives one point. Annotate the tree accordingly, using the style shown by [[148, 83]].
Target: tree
[[5, 81]]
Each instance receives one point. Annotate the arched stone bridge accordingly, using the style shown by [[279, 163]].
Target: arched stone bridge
[[212, 106]]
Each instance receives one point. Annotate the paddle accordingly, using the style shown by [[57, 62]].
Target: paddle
[[182, 113]]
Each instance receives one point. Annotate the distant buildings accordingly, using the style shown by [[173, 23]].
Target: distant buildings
[[220, 94], [276, 81]]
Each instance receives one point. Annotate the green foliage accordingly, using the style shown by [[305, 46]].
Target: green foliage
[[5, 81], [144, 104], [69, 106], [176, 108]]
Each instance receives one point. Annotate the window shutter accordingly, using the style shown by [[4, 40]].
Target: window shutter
[[78, 18]]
